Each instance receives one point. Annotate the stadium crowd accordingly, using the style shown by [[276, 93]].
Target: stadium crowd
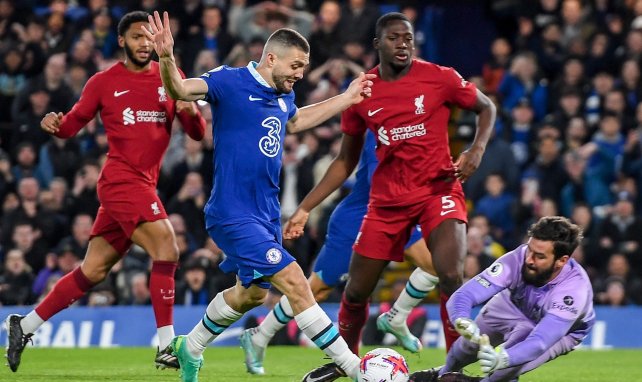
[[565, 75]]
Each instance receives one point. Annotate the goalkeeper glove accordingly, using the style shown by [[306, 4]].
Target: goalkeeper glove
[[491, 359], [467, 329]]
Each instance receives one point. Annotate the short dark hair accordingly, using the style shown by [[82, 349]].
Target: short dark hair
[[129, 19], [289, 38], [565, 235], [384, 20]]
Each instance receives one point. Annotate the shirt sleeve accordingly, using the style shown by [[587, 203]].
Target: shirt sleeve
[[459, 91], [214, 79], [352, 123], [83, 111], [194, 126], [548, 331], [474, 292]]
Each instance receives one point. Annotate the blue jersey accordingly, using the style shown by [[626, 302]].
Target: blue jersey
[[249, 121], [243, 214]]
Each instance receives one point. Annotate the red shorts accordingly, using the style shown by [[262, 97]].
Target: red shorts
[[122, 208], [386, 230]]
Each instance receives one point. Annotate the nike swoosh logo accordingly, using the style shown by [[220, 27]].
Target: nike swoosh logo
[[321, 378], [255, 98], [373, 112], [118, 94], [442, 213]]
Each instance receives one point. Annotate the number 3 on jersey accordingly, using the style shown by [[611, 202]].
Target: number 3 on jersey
[[447, 205]]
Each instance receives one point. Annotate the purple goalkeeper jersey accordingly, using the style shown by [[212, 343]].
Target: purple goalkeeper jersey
[[563, 306]]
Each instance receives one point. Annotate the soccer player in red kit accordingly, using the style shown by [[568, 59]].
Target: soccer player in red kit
[[416, 181], [137, 115]]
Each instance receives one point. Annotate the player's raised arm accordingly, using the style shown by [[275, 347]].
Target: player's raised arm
[[312, 115], [190, 89], [337, 173]]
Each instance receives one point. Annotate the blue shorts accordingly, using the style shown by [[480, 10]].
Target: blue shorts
[[252, 249], [333, 261]]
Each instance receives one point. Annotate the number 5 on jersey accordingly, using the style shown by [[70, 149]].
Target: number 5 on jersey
[[447, 205]]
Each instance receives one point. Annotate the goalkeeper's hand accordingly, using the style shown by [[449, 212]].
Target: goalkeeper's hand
[[467, 329], [491, 359]]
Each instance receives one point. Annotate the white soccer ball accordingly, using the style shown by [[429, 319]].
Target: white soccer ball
[[383, 365]]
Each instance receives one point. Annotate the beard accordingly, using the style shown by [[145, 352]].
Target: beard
[[279, 82], [132, 57], [540, 278]]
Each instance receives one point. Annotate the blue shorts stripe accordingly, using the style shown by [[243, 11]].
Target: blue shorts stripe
[[326, 337], [280, 314], [414, 292], [212, 326]]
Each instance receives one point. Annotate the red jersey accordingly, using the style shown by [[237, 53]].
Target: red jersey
[[137, 114], [409, 117]]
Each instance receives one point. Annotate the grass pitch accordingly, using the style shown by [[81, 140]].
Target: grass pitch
[[285, 364]]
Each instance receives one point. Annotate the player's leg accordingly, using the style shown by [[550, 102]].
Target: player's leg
[[312, 320], [158, 240], [226, 308], [420, 283], [100, 258]]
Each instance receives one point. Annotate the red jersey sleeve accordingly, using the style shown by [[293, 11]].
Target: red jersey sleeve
[[459, 91], [83, 111], [352, 123], [194, 126]]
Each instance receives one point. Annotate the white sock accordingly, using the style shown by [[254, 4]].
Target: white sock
[[165, 335], [315, 324], [31, 322], [273, 322], [218, 316], [418, 286]]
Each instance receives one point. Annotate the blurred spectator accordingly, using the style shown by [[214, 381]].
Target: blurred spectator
[[262, 19], [58, 158], [326, 35], [358, 19], [477, 248], [104, 33], [491, 247], [471, 267], [194, 287], [12, 80], [57, 264], [212, 37], [16, 280], [521, 132], [618, 267], [83, 192], [548, 169], [189, 203], [78, 241], [620, 232], [139, 290], [632, 161], [603, 83], [497, 205], [50, 81], [493, 69], [521, 81]]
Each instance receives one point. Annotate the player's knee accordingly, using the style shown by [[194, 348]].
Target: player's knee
[[96, 275], [255, 299], [356, 296], [449, 282]]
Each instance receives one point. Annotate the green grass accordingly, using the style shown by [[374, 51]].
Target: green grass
[[286, 364]]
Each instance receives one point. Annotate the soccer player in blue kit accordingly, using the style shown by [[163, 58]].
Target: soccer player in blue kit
[[251, 107], [332, 264]]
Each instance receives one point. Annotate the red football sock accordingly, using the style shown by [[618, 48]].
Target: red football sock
[[161, 289], [449, 331], [352, 318], [67, 290]]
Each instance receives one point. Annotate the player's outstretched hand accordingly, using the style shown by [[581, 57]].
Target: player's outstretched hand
[[51, 122], [293, 228], [491, 359], [360, 88], [467, 163], [160, 34], [467, 329]]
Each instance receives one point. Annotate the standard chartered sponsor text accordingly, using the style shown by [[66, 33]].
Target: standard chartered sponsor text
[[407, 132], [151, 116]]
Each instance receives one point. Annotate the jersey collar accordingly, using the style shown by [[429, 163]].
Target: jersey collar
[[252, 68]]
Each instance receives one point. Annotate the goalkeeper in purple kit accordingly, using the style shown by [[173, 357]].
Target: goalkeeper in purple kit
[[540, 307]]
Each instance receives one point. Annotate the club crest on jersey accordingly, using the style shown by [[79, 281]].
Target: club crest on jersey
[[419, 105], [155, 209], [282, 105], [273, 256], [162, 95]]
